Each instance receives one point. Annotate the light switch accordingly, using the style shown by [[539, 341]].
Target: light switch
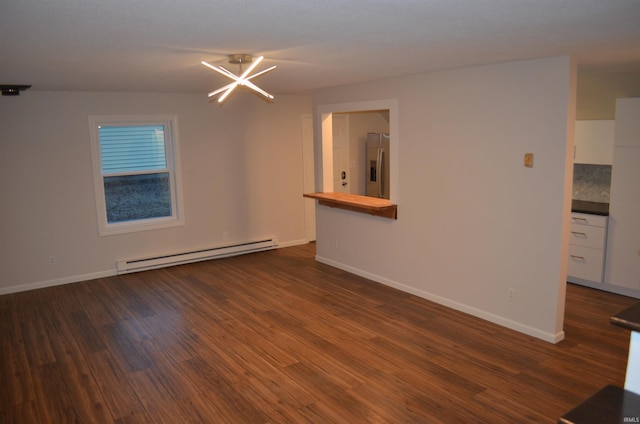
[[528, 160]]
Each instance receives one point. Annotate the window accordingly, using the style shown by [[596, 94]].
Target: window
[[136, 173]]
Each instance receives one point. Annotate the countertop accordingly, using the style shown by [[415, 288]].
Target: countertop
[[594, 208], [629, 318], [357, 203], [609, 405]]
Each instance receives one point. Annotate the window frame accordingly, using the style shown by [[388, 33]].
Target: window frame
[[172, 153]]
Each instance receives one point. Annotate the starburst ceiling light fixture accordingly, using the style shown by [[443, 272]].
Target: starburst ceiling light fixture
[[244, 79]]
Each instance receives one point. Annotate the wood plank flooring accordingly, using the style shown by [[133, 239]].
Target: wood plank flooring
[[275, 337]]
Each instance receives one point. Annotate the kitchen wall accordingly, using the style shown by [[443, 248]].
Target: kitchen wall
[[241, 174], [597, 93], [473, 223]]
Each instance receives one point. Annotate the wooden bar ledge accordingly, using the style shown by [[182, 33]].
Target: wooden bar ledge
[[357, 203]]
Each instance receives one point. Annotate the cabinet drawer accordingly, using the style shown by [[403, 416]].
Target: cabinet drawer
[[587, 236], [588, 219], [586, 263]]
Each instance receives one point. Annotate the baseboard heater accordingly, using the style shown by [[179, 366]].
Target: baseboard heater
[[134, 265]]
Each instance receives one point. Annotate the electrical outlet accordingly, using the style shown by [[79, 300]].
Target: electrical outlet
[[511, 294], [225, 235], [52, 260]]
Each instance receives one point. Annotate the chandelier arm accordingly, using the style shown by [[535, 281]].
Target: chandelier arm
[[251, 68], [258, 89], [222, 71], [228, 73], [260, 73], [208, 65], [220, 90], [226, 93]]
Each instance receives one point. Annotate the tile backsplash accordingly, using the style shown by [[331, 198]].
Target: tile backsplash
[[591, 182]]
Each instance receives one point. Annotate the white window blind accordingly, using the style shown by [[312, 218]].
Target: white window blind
[[125, 149]]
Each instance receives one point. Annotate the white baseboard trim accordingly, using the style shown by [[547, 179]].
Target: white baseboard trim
[[624, 291], [478, 313], [92, 276], [293, 243], [57, 282]]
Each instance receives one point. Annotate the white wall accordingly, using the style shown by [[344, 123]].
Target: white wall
[[473, 222], [241, 172]]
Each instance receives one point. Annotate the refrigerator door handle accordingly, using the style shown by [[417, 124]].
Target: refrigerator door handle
[[379, 173]]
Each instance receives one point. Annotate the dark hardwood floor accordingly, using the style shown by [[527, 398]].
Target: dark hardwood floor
[[275, 337]]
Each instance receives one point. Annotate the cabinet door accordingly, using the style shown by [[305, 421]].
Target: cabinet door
[[594, 142], [627, 132]]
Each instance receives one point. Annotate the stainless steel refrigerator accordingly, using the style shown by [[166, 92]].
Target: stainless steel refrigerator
[[377, 165]]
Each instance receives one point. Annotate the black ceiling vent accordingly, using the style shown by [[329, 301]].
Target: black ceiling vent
[[12, 90]]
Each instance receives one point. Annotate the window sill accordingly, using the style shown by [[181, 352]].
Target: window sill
[[140, 225], [353, 202]]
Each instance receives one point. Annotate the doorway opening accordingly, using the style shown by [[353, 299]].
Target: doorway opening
[[343, 136]]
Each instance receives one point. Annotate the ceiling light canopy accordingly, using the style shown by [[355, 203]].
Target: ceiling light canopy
[[243, 79]]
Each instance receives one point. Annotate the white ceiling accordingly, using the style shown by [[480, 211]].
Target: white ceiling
[[157, 45]]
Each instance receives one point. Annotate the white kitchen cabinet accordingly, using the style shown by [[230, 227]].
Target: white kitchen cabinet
[[627, 124], [587, 245], [623, 246], [594, 142]]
